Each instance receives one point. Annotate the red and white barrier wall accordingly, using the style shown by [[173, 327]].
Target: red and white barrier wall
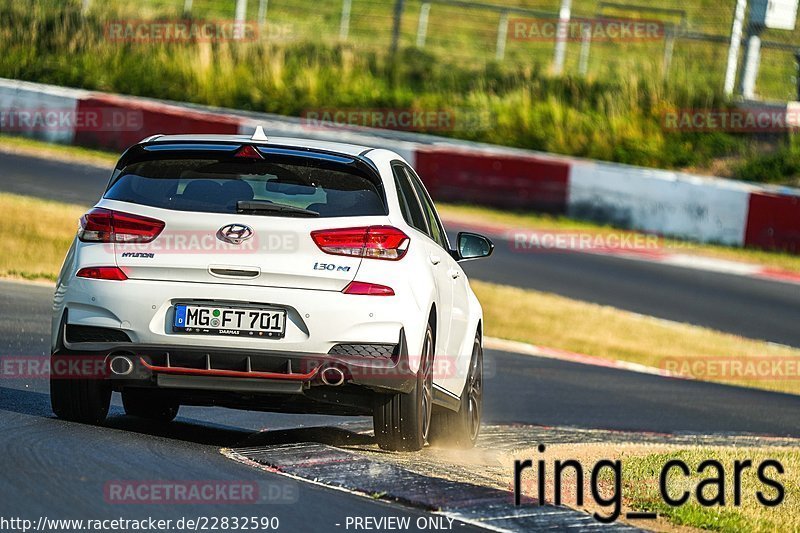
[[140, 118], [659, 201], [664, 202], [20, 95], [494, 178], [773, 220]]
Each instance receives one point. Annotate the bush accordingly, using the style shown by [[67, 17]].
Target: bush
[[781, 166]]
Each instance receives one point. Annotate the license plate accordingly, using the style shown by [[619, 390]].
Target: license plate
[[231, 321]]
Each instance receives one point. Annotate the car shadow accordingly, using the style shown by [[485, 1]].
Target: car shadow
[[32, 403], [350, 435]]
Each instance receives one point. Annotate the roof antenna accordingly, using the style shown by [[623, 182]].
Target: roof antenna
[[259, 135]]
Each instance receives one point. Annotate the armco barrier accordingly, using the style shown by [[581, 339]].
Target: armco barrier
[[774, 221], [494, 179], [657, 201]]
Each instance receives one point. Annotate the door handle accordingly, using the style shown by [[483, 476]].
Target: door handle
[[435, 259], [234, 271], [455, 274]]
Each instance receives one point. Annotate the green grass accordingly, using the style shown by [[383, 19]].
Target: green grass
[[471, 35], [640, 486], [612, 114], [772, 167]]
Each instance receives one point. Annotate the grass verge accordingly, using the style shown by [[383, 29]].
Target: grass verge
[[36, 245], [471, 214], [33, 147], [641, 478], [557, 322]]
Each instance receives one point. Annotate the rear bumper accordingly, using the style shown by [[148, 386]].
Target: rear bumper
[[210, 368], [316, 320], [247, 373]]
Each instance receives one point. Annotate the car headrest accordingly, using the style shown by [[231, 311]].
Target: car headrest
[[235, 190], [203, 190]]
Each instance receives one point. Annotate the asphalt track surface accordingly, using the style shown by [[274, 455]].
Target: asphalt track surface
[[755, 308], [59, 469]]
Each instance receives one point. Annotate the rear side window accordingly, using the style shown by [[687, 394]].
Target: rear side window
[[216, 186], [412, 211], [436, 230]]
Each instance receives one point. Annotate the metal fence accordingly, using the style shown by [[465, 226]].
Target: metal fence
[[691, 41]]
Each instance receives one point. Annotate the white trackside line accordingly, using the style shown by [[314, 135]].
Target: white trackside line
[[712, 264], [522, 348]]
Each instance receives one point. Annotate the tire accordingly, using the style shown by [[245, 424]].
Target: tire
[[149, 404], [79, 400], [402, 421], [460, 429]]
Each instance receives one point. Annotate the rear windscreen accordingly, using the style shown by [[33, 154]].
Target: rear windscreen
[[216, 186]]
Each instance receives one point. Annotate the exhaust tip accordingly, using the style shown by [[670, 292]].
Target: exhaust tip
[[121, 365], [332, 376]]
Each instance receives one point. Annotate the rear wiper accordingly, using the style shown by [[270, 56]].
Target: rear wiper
[[256, 206]]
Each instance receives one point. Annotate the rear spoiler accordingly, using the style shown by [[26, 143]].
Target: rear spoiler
[[151, 150]]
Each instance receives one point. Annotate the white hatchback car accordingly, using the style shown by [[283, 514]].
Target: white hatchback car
[[274, 274]]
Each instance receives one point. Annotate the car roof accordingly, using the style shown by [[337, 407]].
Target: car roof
[[285, 142]]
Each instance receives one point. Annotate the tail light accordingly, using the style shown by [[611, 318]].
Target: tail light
[[368, 289], [373, 242], [104, 225], [109, 273], [248, 152]]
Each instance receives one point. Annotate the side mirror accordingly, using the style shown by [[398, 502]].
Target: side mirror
[[473, 246]]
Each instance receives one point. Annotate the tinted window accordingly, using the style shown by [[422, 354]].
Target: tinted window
[[437, 230], [215, 186], [412, 212]]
